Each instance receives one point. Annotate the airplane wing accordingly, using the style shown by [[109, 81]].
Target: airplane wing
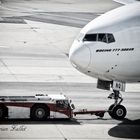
[[126, 1]]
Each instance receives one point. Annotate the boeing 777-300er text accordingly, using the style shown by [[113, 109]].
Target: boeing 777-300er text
[[108, 48]]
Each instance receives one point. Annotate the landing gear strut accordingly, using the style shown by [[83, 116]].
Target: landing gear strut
[[116, 110]]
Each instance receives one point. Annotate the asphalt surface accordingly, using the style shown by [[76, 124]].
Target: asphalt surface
[[83, 96], [35, 37], [73, 19]]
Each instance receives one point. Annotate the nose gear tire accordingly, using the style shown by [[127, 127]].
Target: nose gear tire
[[110, 112], [117, 112]]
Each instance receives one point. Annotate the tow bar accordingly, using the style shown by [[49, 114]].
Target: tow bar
[[99, 113]]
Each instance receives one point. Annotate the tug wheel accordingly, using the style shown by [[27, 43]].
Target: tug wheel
[[3, 112], [39, 112]]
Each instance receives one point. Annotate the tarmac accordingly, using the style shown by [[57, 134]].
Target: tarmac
[[35, 37]]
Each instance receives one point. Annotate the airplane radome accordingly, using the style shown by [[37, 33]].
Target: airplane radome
[[108, 48]]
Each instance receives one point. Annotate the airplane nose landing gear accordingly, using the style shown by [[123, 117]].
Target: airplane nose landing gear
[[116, 110]]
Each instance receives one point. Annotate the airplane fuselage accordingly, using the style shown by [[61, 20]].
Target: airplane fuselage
[[108, 47]]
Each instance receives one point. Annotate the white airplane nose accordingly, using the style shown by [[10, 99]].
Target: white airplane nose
[[80, 57]]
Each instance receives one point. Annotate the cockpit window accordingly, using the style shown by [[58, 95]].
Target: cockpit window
[[101, 37], [90, 37], [110, 38]]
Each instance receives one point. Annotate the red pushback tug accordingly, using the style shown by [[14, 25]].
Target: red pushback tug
[[40, 107]]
